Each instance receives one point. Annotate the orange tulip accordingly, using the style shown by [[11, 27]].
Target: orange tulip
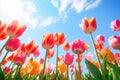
[[60, 38], [3, 33], [62, 67], [15, 29], [66, 46], [50, 53], [33, 67], [110, 56], [31, 47], [88, 26], [48, 41]]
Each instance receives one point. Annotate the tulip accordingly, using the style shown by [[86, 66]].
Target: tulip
[[115, 25], [50, 53], [66, 46], [3, 33], [100, 39], [19, 58], [114, 42], [68, 58], [88, 26], [88, 56], [110, 56], [78, 46], [6, 69], [60, 38], [117, 57], [62, 67], [36, 53], [15, 29], [31, 47], [33, 67], [13, 44], [49, 68], [48, 41], [41, 60]]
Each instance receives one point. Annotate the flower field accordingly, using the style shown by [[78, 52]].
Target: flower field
[[67, 66]]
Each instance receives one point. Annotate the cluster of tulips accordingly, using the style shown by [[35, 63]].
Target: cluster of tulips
[[15, 63]]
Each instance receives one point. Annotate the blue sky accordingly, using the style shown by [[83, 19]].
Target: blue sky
[[44, 16]]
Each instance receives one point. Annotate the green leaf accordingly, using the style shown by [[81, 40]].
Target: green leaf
[[115, 70], [1, 74], [94, 70]]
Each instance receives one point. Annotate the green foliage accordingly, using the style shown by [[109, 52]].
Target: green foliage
[[1, 74], [94, 70]]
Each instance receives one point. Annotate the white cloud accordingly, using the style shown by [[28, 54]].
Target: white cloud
[[55, 3], [77, 5], [94, 4], [48, 21]]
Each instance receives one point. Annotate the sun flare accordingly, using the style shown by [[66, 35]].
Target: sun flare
[[10, 8]]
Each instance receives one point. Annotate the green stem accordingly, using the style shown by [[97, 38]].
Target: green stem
[[45, 62], [43, 71], [67, 72], [4, 57], [56, 59], [96, 52], [79, 72], [4, 45]]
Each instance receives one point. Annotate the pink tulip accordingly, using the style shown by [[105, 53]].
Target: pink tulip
[[117, 56], [88, 56], [36, 53], [13, 44], [68, 59], [6, 69], [88, 26], [100, 39], [42, 61], [49, 68], [115, 25], [19, 58], [78, 46], [114, 42]]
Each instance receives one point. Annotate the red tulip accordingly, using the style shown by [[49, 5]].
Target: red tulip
[[68, 58], [15, 29], [66, 46], [88, 26], [60, 38], [115, 25], [114, 42], [13, 44], [78, 46], [6, 69], [31, 47], [50, 53], [48, 41], [3, 33]]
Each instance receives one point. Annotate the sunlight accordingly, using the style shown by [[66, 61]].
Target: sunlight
[[11, 8]]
